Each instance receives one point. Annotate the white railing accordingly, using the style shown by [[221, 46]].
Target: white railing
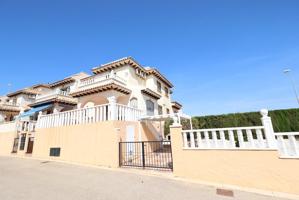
[[52, 94], [7, 126], [251, 138], [225, 138], [127, 113], [10, 103], [94, 114], [288, 144], [101, 79], [26, 126]]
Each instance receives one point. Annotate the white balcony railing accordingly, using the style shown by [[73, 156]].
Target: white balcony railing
[[288, 144], [26, 126], [10, 103], [101, 79], [52, 94], [94, 114], [225, 138]]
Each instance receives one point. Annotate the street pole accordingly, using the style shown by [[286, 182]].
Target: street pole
[[288, 73]]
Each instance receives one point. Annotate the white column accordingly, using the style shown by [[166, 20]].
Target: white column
[[232, 141], [112, 102], [39, 122], [268, 127], [192, 141], [176, 121]]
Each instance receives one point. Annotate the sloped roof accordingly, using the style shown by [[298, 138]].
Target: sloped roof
[[151, 93], [23, 91], [132, 62], [176, 105], [56, 99]]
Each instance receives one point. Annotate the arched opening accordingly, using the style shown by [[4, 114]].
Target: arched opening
[[89, 104], [134, 102], [150, 107]]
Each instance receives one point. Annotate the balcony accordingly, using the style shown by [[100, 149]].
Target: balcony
[[56, 95], [9, 106], [100, 80], [26, 126]]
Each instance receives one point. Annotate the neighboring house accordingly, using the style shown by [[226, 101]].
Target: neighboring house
[[57, 97], [8, 109]]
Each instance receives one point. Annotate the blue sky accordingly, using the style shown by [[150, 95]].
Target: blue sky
[[222, 55]]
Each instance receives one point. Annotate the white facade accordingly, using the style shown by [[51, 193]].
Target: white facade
[[127, 77]]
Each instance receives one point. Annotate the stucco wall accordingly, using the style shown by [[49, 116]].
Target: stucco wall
[[6, 142], [141, 131], [95, 144], [251, 169]]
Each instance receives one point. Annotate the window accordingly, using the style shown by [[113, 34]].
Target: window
[[65, 91], [31, 96], [22, 144], [159, 87], [134, 102], [14, 101], [166, 91], [160, 110], [167, 110], [55, 151], [150, 107], [140, 73], [89, 104]]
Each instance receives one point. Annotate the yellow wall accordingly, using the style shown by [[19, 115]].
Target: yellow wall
[[6, 143], [251, 169], [145, 133], [95, 143]]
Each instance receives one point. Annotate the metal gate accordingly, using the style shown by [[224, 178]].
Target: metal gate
[[146, 154]]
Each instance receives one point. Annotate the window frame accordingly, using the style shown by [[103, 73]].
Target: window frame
[[159, 86], [55, 151], [134, 102], [167, 110], [151, 111], [166, 91], [160, 110]]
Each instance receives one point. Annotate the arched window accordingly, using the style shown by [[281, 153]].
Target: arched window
[[134, 102], [89, 104], [150, 107]]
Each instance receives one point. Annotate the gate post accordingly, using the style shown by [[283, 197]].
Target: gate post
[[143, 156], [268, 127], [119, 154], [176, 144]]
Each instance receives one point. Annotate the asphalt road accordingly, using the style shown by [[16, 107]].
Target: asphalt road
[[22, 179]]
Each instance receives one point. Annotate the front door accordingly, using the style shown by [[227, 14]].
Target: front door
[[30, 145], [130, 134], [130, 131]]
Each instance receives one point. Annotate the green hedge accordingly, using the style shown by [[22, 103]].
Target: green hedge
[[283, 120]]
